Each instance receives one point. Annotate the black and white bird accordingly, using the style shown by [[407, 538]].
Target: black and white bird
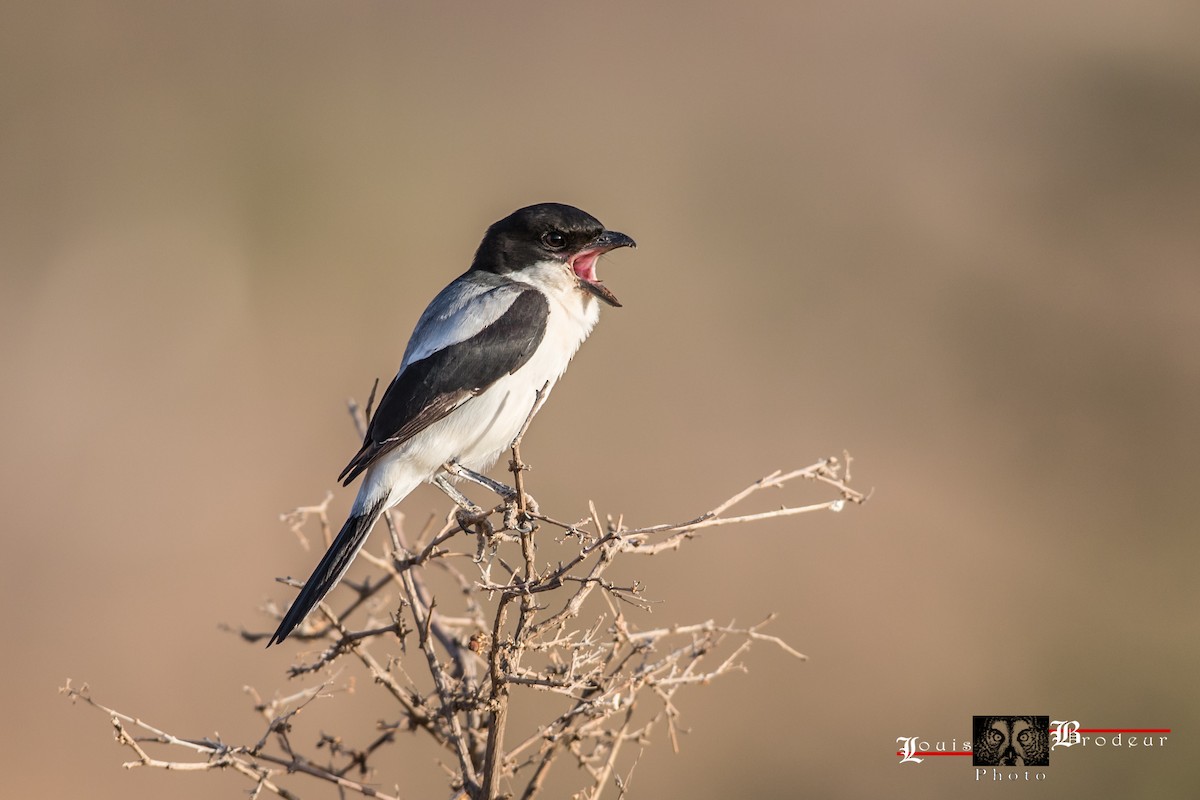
[[473, 367]]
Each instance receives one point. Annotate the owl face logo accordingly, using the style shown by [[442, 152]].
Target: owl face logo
[[1011, 741]]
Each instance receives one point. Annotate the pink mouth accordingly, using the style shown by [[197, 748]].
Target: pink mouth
[[584, 265]]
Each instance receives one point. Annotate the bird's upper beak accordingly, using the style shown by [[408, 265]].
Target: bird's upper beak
[[583, 263]]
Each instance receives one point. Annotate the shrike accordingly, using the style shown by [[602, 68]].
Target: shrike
[[471, 372]]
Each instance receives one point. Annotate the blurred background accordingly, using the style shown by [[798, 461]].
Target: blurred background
[[959, 241]]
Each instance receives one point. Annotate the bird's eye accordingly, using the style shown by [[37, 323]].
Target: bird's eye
[[554, 240]]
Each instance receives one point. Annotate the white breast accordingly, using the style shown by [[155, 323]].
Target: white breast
[[491, 420], [477, 432]]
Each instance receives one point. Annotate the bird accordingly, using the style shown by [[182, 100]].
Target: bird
[[485, 350]]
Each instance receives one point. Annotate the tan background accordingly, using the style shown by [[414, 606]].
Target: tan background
[[958, 239]]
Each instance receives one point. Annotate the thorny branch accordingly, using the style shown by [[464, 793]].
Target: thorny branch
[[516, 625]]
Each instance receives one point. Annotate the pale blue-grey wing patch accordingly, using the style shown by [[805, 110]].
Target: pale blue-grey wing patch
[[460, 311]]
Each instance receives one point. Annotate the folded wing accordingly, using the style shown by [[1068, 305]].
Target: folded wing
[[466, 340]]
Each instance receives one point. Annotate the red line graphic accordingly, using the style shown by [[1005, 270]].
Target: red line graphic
[[924, 753]]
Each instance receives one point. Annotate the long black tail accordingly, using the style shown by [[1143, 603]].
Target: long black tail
[[333, 565]]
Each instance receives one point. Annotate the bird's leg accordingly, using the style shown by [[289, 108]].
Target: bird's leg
[[469, 516], [507, 493], [460, 499]]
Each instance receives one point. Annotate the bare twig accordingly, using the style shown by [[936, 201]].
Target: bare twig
[[516, 623]]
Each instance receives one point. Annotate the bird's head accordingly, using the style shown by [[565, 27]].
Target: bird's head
[[551, 232]]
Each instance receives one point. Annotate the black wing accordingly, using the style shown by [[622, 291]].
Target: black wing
[[427, 390]]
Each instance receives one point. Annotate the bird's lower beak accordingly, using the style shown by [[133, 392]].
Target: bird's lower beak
[[584, 263]]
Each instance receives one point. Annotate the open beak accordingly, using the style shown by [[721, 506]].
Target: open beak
[[583, 263]]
